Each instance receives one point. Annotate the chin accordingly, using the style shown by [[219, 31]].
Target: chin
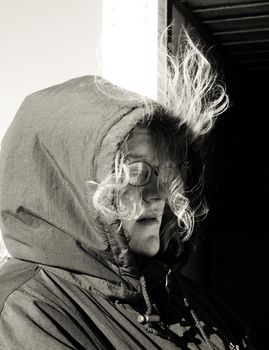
[[151, 253], [151, 249]]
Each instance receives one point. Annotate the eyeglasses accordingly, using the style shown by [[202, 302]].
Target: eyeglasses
[[140, 172]]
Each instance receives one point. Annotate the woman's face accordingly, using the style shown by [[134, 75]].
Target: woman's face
[[143, 232]]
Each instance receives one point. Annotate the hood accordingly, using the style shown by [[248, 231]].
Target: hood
[[62, 137]]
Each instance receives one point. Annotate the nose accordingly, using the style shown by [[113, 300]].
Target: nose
[[150, 192]]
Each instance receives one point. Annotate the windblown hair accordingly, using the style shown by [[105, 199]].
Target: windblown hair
[[189, 88], [107, 197], [183, 204], [193, 96], [192, 90]]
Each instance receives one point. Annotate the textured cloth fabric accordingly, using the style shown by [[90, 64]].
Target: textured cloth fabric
[[73, 282]]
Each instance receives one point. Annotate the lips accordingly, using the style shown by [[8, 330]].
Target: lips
[[147, 220]]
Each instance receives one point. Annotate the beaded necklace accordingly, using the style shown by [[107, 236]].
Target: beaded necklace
[[198, 324]]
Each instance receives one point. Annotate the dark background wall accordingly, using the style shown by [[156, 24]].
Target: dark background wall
[[235, 251], [233, 259]]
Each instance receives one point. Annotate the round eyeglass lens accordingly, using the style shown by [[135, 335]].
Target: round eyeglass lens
[[167, 171], [139, 173]]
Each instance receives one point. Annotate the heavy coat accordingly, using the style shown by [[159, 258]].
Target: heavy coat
[[72, 282]]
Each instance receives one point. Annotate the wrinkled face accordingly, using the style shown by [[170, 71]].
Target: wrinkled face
[[143, 232]]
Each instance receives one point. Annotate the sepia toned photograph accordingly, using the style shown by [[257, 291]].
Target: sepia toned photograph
[[134, 174]]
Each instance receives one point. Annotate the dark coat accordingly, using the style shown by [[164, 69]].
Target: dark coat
[[73, 283]]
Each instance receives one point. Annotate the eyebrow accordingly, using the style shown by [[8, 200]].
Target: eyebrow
[[137, 156]]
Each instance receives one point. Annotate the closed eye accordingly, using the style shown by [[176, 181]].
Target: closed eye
[[155, 171]]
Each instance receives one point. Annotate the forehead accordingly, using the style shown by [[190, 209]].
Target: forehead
[[141, 144]]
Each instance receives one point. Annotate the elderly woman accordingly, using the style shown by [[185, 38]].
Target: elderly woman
[[100, 191]]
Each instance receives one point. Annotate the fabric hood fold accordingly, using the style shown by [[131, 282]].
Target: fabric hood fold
[[62, 137]]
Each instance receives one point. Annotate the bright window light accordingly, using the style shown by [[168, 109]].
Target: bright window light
[[129, 44]]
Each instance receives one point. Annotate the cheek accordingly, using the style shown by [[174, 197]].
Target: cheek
[[143, 240], [130, 197]]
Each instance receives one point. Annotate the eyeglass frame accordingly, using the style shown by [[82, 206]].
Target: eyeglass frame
[[152, 168]]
